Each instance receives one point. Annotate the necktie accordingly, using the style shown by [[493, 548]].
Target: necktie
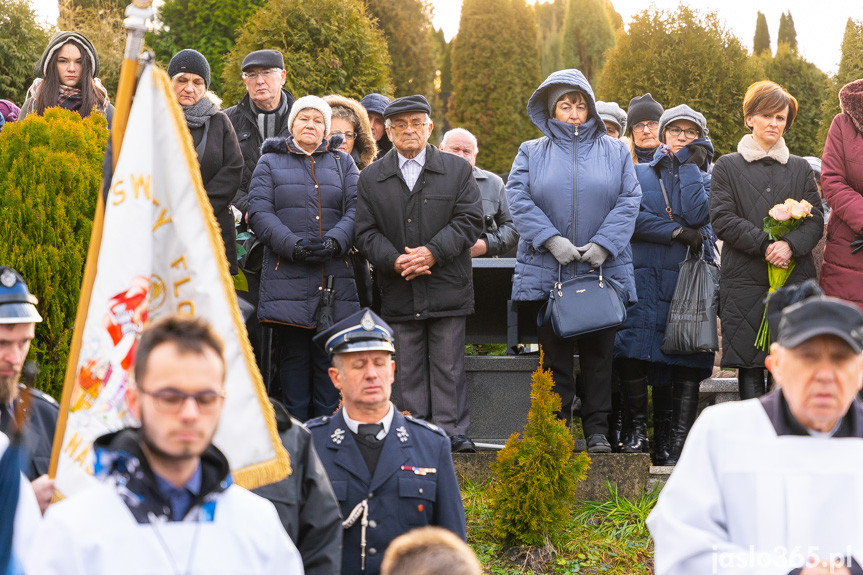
[[370, 430]]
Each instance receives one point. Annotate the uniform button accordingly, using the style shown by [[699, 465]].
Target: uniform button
[[373, 551], [373, 523], [371, 495]]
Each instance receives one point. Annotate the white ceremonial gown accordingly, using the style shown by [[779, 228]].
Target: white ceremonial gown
[[744, 500]]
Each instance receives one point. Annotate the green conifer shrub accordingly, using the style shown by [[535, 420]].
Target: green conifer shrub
[[330, 47], [50, 176], [787, 34], [587, 35], [537, 475], [761, 41], [850, 69], [22, 40]]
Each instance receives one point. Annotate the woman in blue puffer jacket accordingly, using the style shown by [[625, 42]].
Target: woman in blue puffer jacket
[[574, 199], [302, 201], [674, 216]]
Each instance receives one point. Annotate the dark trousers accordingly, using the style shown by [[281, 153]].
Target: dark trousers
[[430, 371], [306, 386], [595, 353]]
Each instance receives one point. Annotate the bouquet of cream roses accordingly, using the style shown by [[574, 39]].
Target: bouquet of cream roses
[[781, 220]]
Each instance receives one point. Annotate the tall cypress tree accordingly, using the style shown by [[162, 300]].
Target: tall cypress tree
[[549, 21], [493, 79], [406, 24], [850, 69], [761, 42], [787, 34], [692, 60], [587, 34]]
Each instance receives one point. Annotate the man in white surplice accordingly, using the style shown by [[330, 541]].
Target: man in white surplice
[[774, 485]]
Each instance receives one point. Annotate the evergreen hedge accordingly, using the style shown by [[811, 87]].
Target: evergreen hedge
[[850, 69], [50, 176], [330, 47]]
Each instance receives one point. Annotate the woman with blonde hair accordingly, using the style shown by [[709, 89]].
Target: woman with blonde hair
[[351, 121], [744, 187]]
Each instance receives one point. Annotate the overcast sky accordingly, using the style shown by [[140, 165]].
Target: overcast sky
[[819, 25]]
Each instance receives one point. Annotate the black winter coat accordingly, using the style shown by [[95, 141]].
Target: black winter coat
[[443, 212], [245, 124], [741, 195], [221, 171]]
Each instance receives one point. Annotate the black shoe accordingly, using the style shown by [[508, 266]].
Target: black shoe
[[635, 398], [637, 441], [662, 436], [597, 443], [685, 412], [462, 444]]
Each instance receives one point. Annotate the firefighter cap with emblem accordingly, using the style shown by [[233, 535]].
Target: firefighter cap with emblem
[[362, 331], [17, 304]]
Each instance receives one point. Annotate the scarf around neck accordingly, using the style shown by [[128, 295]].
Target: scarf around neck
[[198, 114], [752, 152]]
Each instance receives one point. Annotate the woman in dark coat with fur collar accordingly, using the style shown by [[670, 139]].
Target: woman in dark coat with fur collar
[[842, 184], [744, 187]]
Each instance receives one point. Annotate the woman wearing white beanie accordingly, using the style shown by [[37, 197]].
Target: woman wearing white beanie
[[302, 201]]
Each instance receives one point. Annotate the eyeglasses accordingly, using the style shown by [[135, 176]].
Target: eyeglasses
[[263, 73], [674, 131], [171, 401], [347, 135], [641, 126], [402, 126]]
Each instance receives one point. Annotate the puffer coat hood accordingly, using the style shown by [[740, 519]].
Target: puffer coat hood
[[364, 145], [575, 183]]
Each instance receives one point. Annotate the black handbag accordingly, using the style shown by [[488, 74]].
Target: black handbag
[[583, 305], [691, 323]]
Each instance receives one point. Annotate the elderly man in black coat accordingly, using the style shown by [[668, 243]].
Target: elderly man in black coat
[[419, 211]]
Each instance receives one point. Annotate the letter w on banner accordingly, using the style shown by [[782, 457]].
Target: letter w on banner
[[161, 253]]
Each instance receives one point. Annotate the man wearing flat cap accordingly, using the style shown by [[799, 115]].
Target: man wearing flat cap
[[261, 114], [774, 485], [419, 211], [18, 319], [391, 473]]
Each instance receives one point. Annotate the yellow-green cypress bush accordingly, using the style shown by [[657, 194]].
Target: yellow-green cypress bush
[[536, 475], [50, 175]]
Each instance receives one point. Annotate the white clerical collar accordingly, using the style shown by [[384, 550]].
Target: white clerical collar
[[387, 421], [419, 158]]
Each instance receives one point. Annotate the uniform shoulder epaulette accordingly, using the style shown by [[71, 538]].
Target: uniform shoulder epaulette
[[317, 422], [426, 424], [41, 396]]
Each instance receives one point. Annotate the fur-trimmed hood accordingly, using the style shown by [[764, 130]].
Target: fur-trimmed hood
[[364, 145], [851, 102]]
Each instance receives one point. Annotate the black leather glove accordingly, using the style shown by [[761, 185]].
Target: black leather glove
[[322, 252], [857, 244], [699, 155], [691, 238]]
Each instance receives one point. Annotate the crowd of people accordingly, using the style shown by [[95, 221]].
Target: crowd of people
[[352, 208]]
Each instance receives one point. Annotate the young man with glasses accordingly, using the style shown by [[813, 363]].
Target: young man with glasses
[[261, 114], [419, 211], [166, 503]]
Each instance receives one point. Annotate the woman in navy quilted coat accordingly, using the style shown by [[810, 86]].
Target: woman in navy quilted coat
[[302, 201]]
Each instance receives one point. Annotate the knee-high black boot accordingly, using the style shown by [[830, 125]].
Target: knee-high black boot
[[685, 411], [635, 393], [615, 422], [750, 382], [663, 411]]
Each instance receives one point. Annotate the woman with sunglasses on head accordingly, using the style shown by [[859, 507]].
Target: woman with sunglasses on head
[[674, 217], [745, 186], [66, 77]]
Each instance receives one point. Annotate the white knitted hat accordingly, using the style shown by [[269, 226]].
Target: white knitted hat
[[314, 103]]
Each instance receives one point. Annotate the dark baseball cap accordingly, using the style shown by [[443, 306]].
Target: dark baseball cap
[[821, 315]]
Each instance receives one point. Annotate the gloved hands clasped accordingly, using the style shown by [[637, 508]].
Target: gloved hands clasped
[[315, 250], [689, 237], [565, 252]]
